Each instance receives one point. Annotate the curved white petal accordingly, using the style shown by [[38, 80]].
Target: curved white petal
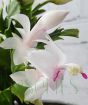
[[56, 84], [26, 78], [56, 51], [36, 91], [47, 21], [9, 43], [48, 59], [43, 61], [52, 18], [17, 58], [19, 55], [23, 20]]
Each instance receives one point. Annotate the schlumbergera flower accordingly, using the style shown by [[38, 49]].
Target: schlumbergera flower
[[22, 45], [52, 61], [50, 64], [34, 80]]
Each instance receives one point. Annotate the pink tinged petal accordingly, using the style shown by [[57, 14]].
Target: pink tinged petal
[[84, 75], [26, 78], [37, 90], [47, 21], [52, 18], [56, 80], [34, 34], [56, 74], [43, 61], [23, 20], [56, 51], [46, 60]]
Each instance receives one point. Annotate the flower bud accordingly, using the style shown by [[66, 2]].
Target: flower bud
[[26, 2], [59, 2]]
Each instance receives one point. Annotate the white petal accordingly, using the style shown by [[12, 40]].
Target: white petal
[[9, 43], [18, 57], [52, 18], [36, 91], [20, 52], [56, 84], [26, 78], [43, 61], [48, 59], [47, 21], [56, 51], [23, 20]]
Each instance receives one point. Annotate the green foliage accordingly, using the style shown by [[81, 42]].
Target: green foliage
[[19, 91], [1, 21], [59, 2], [13, 8], [5, 97], [59, 33]]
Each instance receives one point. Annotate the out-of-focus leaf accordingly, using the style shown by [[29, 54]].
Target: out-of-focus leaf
[[4, 69], [4, 58], [19, 91], [38, 12], [26, 2], [13, 8], [59, 2], [70, 32], [40, 5], [1, 22], [8, 30], [16, 68], [58, 33], [38, 102], [5, 97], [40, 45]]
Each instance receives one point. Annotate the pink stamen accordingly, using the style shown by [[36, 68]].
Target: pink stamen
[[84, 75], [56, 76]]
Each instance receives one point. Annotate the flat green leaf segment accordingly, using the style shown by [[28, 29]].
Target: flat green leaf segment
[[13, 8], [6, 97], [59, 33], [18, 91]]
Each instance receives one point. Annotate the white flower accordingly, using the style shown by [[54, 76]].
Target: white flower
[[52, 62], [34, 80], [22, 45]]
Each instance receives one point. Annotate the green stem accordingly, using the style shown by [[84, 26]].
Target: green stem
[[40, 5], [38, 102]]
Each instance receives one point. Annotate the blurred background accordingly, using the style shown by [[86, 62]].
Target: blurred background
[[76, 51]]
